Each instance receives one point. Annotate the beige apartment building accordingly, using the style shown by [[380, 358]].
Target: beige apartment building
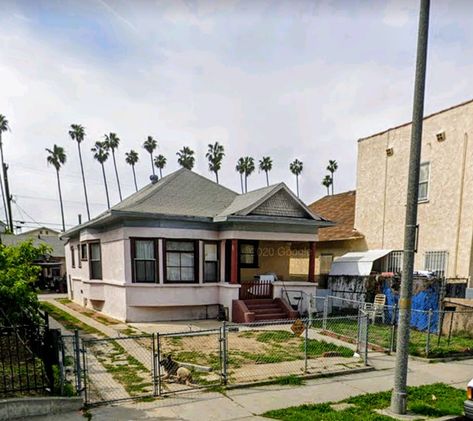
[[445, 211]]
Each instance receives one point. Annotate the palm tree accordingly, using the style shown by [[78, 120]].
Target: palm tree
[[332, 167], [132, 159], [57, 158], [101, 155], [77, 133], [150, 145], [186, 158], [160, 162], [4, 126], [296, 168], [111, 142], [249, 168], [240, 168], [266, 165], [215, 156], [327, 182]]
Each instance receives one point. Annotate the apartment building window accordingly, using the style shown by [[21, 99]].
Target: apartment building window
[[144, 260], [211, 262], [424, 176], [95, 260], [325, 263], [436, 261], [180, 261], [394, 261]]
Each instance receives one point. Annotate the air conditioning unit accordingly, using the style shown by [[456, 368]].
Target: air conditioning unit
[[389, 151], [441, 136]]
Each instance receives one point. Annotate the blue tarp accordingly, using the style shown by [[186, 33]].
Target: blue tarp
[[423, 301]]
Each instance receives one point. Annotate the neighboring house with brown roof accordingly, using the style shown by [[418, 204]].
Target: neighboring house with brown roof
[[343, 237]]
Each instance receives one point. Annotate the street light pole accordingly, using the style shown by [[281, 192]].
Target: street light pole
[[399, 394]]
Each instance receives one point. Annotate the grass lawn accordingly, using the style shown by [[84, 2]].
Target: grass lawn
[[380, 335], [68, 321], [434, 400]]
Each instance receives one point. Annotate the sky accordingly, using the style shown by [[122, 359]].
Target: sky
[[289, 79]]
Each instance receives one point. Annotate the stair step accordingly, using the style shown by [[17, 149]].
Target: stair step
[[270, 316], [266, 310], [262, 306]]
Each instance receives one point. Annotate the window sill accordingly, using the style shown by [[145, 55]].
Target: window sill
[[422, 201]]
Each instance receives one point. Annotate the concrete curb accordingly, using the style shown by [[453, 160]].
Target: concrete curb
[[29, 407]]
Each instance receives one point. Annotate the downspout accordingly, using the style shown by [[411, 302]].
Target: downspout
[[460, 203]]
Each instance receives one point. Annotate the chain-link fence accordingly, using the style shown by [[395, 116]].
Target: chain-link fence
[[118, 368], [189, 360], [434, 333]]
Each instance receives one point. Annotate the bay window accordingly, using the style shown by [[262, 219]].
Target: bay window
[[211, 263], [144, 261], [181, 261]]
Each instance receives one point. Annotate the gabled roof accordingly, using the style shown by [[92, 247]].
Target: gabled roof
[[185, 194], [339, 208], [56, 244]]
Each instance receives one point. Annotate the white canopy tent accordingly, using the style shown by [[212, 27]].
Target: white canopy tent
[[357, 263]]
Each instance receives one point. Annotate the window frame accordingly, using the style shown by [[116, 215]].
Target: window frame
[[81, 249], [73, 257], [255, 263], [133, 258], [196, 260], [216, 243], [427, 182], [435, 255], [89, 252]]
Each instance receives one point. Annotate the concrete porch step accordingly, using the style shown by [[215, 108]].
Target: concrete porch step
[[262, 306], [270, 310], [270, 316]]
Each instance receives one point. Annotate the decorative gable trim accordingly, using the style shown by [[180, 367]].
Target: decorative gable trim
[[280, 204]]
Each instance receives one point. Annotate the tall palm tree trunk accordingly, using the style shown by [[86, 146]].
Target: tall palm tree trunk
[[246, 183], [1, 182], [134, 177], [116, 175], [297, 185], [332, 183], [160, 173], [241, 182], [267, 178], [60, 200], [152, 165], [216, 176], [105, 184], [328, 191], [83, 182]]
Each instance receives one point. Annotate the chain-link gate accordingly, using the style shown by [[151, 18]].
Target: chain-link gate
[[190, 360], [118, 368]]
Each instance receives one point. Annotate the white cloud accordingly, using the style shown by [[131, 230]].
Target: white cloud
[[397, 13]]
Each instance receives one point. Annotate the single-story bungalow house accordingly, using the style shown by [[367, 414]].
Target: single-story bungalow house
[[185, 247]]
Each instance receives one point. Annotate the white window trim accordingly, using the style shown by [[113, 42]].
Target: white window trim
[[425, 199]]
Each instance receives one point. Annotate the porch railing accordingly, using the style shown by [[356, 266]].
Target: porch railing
[[256, 290]]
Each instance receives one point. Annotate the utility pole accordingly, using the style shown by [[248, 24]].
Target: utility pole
[[399, 394], [8, 197]]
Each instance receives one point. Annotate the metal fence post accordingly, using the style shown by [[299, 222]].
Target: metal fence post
[[77, 361], [366, 323], [324, 321], [306, 339], [224, 353], [153, 364], [85, 371], [393, 330], [429, 323], [158, 362], [311, 298], [452, 313]]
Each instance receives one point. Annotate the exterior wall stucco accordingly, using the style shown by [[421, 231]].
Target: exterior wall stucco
[[445, 218]]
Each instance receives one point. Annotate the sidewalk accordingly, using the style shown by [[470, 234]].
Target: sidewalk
[[247, 404]]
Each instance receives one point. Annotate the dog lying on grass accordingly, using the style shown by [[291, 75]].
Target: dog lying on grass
[[182, 374]]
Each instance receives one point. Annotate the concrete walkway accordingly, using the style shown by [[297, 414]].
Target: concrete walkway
[[248, 404]]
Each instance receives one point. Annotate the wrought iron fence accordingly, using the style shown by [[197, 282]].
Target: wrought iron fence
[[22, 365]]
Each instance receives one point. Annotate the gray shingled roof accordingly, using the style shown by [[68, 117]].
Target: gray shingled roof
[[55, 243], [183, 193], [187, 194]]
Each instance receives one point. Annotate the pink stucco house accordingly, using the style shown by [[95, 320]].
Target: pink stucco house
[[186, 247]]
